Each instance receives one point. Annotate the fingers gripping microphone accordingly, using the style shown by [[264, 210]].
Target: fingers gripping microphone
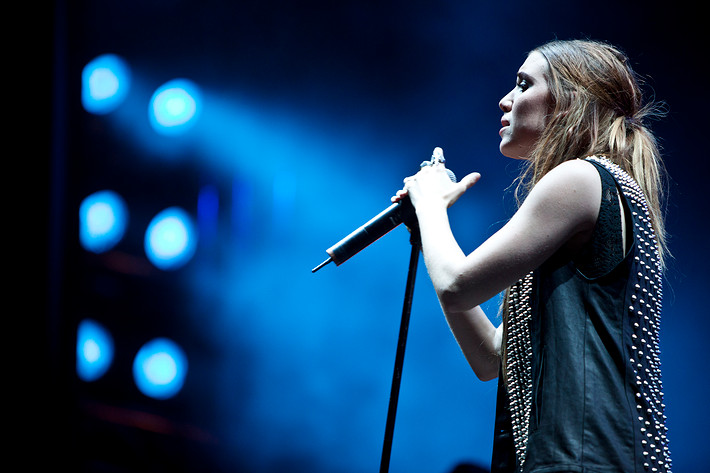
[[371, 231], [380, 225]]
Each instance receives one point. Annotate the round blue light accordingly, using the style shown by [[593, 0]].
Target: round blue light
[[170, 239], [174, 107], [105, 82], [103, 218], [159, 368], [94, 350]]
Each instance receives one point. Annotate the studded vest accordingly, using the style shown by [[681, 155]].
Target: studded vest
[[584, 390]]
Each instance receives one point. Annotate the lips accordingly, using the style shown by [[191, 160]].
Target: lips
[[504, 124]]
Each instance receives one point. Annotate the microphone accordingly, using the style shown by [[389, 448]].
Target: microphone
[[380, 225]]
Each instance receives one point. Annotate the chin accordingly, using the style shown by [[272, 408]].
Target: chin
[[505, 151]]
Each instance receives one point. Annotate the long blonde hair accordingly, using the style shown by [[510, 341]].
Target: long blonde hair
[[597, 109]]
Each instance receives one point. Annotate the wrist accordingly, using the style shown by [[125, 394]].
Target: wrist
[[431, 208]]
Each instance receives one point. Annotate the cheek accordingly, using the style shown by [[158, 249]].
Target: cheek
[[532, 116]]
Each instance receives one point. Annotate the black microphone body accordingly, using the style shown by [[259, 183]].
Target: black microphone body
[[384, 222], [373, 230]]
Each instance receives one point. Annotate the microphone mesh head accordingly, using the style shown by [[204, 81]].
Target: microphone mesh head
[[438, 157]]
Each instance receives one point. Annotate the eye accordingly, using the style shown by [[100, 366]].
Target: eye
[[523, 84]]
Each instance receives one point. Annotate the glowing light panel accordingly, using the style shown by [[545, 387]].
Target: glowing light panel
[[159, 368], [105, 83], [174, 107], [94, 350], [103, 218], [170, 239]]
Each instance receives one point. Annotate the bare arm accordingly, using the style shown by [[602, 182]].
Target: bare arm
[[479, 340], [560, 211]]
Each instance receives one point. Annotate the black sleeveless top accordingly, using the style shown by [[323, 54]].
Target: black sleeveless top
[[596, 389]]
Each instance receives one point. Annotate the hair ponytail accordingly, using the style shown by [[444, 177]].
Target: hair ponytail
[[597, 110]]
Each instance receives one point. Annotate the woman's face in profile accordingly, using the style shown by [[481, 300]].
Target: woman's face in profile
[[525, 109]]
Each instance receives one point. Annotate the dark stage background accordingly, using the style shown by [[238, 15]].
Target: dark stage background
[[312, 113]]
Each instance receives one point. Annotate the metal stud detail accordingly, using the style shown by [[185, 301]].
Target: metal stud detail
[[518, 363], [644, 311]]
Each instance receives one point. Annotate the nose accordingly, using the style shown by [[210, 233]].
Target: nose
[[506, 103]]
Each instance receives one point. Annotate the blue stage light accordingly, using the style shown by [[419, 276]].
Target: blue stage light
[[105, 82], [160, 368], [174, 107], [103, 218], [94, 350], [170, 239]]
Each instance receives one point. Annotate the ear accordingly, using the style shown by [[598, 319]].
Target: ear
[[560, 115], [569, 100]]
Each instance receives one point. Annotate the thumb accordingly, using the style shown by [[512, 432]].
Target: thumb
[[462, 186], [469, 180]]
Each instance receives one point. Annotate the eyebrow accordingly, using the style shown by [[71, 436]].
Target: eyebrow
[[525, 76]]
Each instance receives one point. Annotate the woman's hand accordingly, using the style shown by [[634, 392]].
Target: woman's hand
[[433, 185]]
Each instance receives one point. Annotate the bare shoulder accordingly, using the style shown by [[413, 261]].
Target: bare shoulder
[[576, 179], [572, 189], [576, 172]]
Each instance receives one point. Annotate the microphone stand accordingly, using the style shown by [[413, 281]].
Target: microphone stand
[[415, 241], [361, 238]]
